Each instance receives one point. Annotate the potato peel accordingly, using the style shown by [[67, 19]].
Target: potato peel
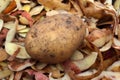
[[99, 70], [10, 7], [22, 53], [100, 11], [54, 4], [1, 24]]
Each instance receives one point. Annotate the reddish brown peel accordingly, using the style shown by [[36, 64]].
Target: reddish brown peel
[[10, 7]]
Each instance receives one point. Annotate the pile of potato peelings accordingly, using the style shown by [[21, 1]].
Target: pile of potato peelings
[[59, 40]]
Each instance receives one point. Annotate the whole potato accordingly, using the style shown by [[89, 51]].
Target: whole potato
[[54, 39]]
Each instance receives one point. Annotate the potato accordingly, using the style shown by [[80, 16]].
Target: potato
[[55, 39]]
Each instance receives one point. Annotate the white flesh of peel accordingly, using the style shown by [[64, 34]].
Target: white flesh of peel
[[102, 41], [21, 27], [4, 4], [11, 76], [23, 20], [106, 46], [1, 24], [99, 42], [26, 7], [108, 74], [4, 72], [11, 34], [87, 61], [117, 5], [24, 30], [23, 34], [90, 0], [88, 72], [65, 77], [40, 66], [9, 25], [12, 30], [36, 10], [109, 2], [46, 8], [59, 67], [77, 56], [116, 42], [87, 32], [25, 1], [18, 3], [54, 12], [12, 47]]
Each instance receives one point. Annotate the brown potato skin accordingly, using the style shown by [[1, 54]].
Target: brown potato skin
[[54, 39]]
